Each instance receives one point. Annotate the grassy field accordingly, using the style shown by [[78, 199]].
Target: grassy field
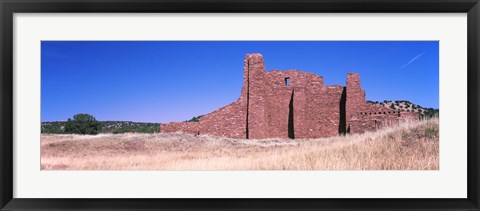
[[409, 146]]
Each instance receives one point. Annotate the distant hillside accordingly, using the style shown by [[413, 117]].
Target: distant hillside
[[106, 127], [194, 119], [404, 105]]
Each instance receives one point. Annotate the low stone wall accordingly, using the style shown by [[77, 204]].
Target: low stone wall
[[226, 121], [186, 127], [373, 120]]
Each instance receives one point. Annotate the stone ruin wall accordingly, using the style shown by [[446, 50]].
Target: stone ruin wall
[[363, 116], [374, 119], [228, 121], [254, 73], [355, 98], [329, 121], [294, 110], [186, 127], [268, 107]]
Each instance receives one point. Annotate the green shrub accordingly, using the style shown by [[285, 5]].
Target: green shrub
[[82, 124], [194, 119]]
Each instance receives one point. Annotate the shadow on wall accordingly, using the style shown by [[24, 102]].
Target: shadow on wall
[[343, 125], [291, 131]]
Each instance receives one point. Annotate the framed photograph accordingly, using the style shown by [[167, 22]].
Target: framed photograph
[[223, 105]]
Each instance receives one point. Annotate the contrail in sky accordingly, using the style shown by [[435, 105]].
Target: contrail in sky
[[413, 59]]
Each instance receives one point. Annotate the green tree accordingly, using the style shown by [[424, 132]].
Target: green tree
[[82, 124]]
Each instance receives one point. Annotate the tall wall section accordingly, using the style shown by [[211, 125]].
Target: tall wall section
[[330, 113], [278, 96], [254, 69], [298, 105], [355, 98], [287, 93]]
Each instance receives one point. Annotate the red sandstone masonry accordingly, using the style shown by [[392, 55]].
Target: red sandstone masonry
[[254, 69], [268, 107], [329, 122], [186, 127], [355, 97], [374, 117], [227, 121]]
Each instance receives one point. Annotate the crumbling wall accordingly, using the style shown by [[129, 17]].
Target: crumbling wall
[[330, 111], [227, 121], [254, 69], [292, 104], [304, 86], [355, 98], [186, 127], [314, 108], [278, 96], [374, 117]]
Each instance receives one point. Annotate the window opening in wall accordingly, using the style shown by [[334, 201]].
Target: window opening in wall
[[287, 81]]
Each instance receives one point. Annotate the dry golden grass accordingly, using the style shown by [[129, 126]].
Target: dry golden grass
[[409, 146]]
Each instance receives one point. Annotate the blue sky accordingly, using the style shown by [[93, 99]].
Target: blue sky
[[163, 81]]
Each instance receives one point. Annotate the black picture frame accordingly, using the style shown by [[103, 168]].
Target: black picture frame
[[9, 7]]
